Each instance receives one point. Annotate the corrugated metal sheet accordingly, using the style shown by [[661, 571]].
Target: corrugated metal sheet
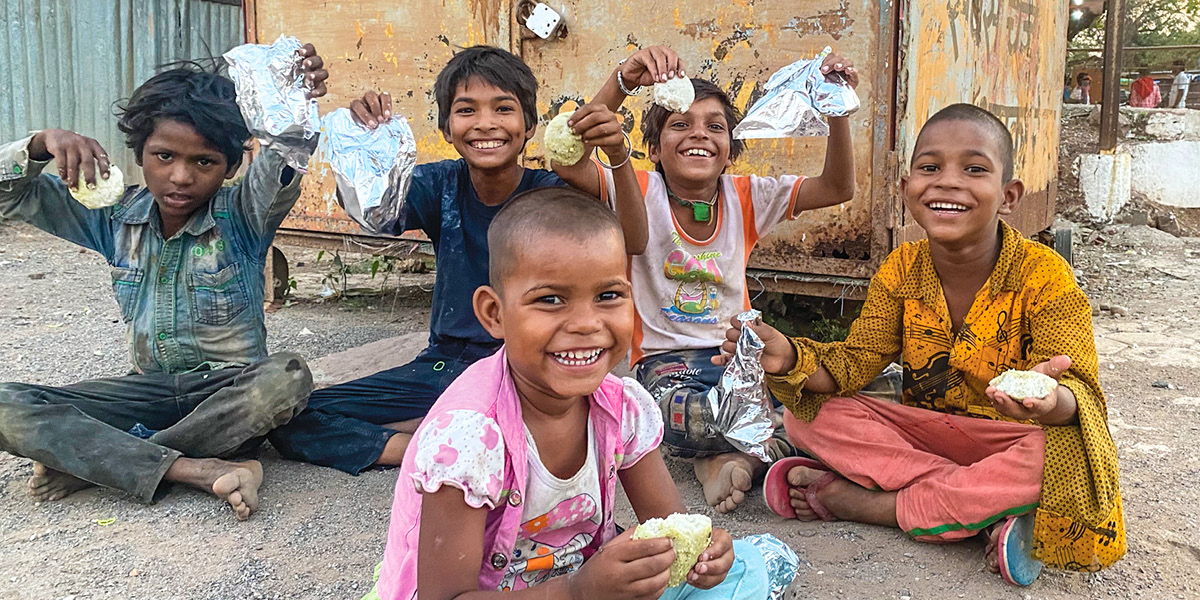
[[65, 62]]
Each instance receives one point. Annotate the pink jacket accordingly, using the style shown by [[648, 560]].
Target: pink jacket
[[486, 390]]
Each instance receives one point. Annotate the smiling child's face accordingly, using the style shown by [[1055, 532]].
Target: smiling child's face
[[694, 146], [955, 189], [486, 125], [566, 317]]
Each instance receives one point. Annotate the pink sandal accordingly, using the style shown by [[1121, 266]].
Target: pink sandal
[[776, 488]]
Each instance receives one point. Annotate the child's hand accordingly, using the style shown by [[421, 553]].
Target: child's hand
[[649, 66], [372, 109], [624, 569], [315, 71], [714, 562], [836, 63], [1032, 408], [778, 357], [74, 153], [600, 127]]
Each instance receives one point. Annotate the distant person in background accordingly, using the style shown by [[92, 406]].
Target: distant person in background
[[1179, 87], [1067, 89], [1082, 94], [1143, 93]]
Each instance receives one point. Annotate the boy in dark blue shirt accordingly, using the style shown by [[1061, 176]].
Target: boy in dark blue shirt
[[487, 101]]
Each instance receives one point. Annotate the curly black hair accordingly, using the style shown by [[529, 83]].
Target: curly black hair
[[191, 94], [495, 66]]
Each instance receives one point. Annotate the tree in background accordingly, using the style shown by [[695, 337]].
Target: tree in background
[[1150, 23]]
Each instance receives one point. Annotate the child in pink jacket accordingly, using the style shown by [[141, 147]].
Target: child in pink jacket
[[510, 485]]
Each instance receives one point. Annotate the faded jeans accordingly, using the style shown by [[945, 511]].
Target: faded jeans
[[84, 429]]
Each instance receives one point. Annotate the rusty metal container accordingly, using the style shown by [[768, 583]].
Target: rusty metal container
[[915, 58]]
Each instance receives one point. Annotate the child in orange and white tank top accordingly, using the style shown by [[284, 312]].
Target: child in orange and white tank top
[[702, 225]]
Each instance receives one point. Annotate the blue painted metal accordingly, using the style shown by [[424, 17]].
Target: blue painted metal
[[64, 63]]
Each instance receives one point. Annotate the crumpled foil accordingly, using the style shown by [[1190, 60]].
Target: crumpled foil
[[740, 404], [373, 168], [272, 93], [798, 98], [782, 562]]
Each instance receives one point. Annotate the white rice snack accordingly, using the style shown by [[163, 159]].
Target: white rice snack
[[107, 193], [690, 535], [675, 95], [562, 146], [1024, 384]]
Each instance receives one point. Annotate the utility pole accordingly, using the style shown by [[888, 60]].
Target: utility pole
[[1110, 96]]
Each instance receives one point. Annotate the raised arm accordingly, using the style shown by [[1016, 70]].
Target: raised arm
[[43, 200], [835, 184], [600, 127]]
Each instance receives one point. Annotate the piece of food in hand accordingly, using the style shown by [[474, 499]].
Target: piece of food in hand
[[563, 146], [107, 192], [675, 95], [689, 535], [1024, 384]]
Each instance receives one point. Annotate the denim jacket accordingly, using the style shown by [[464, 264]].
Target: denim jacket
[[189, 301]]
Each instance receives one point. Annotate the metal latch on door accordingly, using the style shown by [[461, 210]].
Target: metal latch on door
[[542, 20]]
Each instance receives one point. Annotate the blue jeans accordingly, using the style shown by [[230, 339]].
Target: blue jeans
[[747, 579], [343, 426]]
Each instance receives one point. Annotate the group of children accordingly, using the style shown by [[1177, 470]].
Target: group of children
[[508, 424]]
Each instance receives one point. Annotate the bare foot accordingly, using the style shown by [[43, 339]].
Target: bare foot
[[991, 552], [726, 478], [47, 484], [234, 482]]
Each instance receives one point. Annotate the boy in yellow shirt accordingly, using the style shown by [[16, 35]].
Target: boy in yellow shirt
[[957, 457]]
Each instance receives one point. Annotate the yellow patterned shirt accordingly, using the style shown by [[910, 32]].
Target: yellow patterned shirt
[[1029, 311]]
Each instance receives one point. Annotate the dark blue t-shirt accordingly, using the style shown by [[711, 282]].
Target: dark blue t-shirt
[[441, 201]]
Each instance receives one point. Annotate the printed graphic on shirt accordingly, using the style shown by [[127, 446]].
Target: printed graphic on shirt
[[552, 544], [698, 278]]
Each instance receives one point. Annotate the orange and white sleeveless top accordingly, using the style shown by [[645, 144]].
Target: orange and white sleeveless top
[[686, 290]]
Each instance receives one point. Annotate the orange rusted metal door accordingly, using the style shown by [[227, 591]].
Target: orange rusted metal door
[[390, 45], [738, 45], [1004, 55]]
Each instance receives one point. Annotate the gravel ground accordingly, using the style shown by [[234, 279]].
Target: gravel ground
[[320, 532]]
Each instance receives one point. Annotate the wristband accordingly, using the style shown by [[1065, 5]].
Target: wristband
[[621, 82], [628, 152]]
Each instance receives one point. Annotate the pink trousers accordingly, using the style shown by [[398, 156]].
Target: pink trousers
[[953, 475]]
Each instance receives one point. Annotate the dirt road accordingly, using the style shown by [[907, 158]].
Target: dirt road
[[320, 532]]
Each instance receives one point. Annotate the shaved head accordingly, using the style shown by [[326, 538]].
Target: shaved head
[[973, 114], [540, 216]]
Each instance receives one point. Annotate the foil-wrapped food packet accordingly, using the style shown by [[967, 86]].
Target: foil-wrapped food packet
[[273, 95], [796, 101], [782, 563], [740, 403], [373, 168]]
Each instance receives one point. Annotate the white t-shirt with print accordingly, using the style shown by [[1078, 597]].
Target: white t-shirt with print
[[559, 519], [685, 290]]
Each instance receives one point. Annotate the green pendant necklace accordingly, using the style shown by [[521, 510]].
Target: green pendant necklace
[[702, 212]]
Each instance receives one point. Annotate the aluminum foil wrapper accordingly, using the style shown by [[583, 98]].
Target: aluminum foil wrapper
[[782, 562], [272, 93], [373, 168], [740, 404], [798, 98]]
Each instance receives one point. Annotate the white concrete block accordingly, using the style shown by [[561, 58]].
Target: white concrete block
[[1105, 182], [1166, 172], [1174, 124]]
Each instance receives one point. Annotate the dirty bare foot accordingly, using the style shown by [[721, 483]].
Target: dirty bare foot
[[47, 484], [234, 482], [991, 552], [726, 478], [798, 479]]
